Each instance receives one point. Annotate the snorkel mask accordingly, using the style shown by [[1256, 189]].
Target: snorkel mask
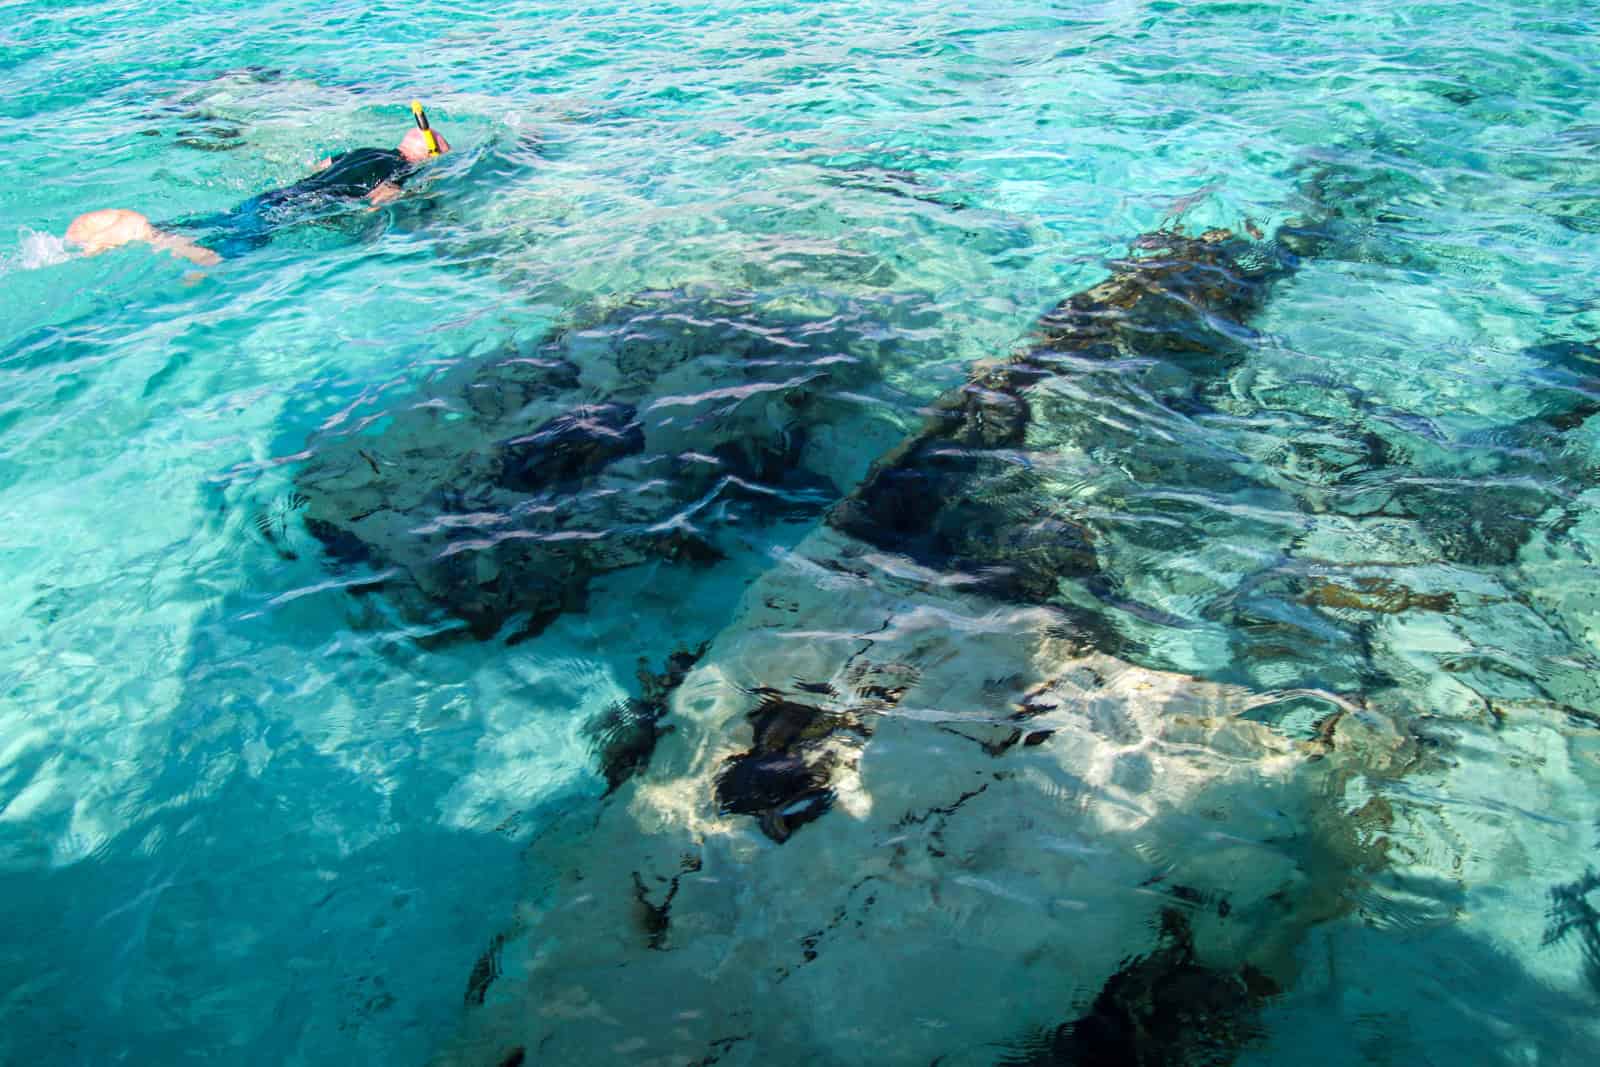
[[422, 124]]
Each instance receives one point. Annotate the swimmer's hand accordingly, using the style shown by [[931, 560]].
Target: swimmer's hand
[[385, 192]]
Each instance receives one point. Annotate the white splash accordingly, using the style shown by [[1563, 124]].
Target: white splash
[[40, 250]]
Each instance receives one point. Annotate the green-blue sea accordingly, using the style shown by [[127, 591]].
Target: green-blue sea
[[832, 532]]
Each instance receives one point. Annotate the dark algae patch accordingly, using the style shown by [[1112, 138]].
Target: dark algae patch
[[1164, 1009], [799, 745], [655, 918], [624, 737], [570, 446], [485, 971], [783, 779]]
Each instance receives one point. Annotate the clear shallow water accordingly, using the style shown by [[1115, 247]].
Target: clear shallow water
[[248, 810]]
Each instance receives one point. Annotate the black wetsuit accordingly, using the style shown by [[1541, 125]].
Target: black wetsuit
[[348, 176]]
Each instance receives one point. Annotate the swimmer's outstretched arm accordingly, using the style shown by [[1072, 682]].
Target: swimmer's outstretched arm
[[101, 231]]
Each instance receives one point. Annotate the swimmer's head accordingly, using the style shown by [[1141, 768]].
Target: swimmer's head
[[414, 146]]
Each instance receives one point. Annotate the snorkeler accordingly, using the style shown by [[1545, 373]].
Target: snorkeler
[[373, 174]]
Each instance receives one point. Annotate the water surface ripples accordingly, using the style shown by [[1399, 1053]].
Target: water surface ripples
[[843, 533]]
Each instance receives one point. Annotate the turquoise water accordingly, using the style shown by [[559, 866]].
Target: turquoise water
[[268, 797]]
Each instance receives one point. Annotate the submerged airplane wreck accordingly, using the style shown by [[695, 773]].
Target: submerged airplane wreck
[[906, 749], [929, 753]]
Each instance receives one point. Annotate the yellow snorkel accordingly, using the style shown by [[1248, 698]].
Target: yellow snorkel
[[422, 124]]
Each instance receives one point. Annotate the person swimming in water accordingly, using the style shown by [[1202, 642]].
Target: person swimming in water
[[372, 174]]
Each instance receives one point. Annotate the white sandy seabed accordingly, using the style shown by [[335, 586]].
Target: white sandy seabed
[[1389, 885]]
